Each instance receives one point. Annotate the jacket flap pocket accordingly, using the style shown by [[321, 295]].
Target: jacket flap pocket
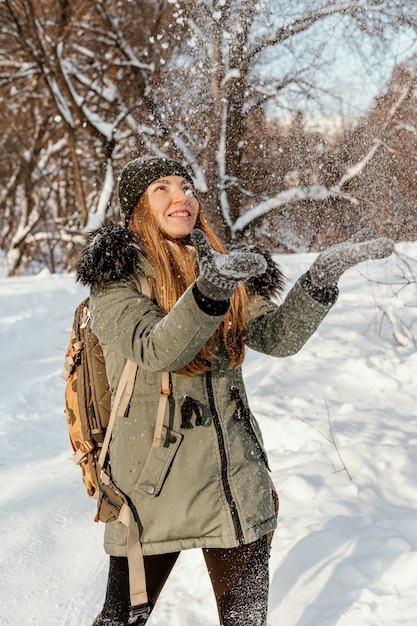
[[158, 463]]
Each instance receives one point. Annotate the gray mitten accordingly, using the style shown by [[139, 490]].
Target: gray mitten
[[330, 264], [220, 274]]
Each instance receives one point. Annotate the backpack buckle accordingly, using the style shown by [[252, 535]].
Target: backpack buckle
[[139, 615], [165, 390], [86, 446]]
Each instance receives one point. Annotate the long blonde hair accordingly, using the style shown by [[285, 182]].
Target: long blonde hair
[[176, 268]]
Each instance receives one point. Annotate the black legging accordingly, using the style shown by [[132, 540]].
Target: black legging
[[239, 577]]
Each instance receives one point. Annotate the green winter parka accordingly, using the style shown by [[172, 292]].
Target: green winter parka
[[208, 483]]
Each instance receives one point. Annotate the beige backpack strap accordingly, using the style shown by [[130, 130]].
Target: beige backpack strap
[[142, 284], [125, 390], [137, 576], [126, 383], [120, 404], [165, 392]]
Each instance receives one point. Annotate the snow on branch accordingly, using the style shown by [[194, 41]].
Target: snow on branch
[[103, 128], [60, 101], [198, 173], [386, 131], [295, 194], [143, 130], [97, 218], [124, 46], [299, 25], [357, 168], [321, 192]]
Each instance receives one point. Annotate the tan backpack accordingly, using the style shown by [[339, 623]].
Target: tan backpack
[[90, 417]]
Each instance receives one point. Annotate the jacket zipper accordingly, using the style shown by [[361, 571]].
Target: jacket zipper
[[223, 457]]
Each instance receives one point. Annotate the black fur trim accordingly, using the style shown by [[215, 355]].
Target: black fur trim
[[269, 284], [109, 255]]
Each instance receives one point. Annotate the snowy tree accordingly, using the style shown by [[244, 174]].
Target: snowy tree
[[262, 57], [384, 155], [73, 82], [86, 86]]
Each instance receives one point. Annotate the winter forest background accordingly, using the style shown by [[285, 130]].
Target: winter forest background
[[297, 119]]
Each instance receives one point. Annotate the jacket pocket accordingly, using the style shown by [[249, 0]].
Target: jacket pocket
[[158, 463], [244, 416]]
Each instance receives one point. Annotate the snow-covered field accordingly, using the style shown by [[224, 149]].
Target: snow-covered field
[[345, 552]]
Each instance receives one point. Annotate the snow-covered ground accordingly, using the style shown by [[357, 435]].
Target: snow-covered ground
[[345, 552]]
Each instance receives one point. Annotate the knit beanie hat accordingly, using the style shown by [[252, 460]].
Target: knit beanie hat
[[138, 174]]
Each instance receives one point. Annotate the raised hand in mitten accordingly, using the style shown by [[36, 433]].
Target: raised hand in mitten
[[330, 264], [220, 274]]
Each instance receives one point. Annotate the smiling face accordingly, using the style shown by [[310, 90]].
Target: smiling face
[[173, 205]]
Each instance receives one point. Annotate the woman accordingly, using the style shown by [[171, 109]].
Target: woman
[[208, 483]]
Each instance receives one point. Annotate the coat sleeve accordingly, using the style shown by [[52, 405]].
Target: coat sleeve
[[136, 328], [281, 330]]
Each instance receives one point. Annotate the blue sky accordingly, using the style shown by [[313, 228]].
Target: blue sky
[[352, 67]]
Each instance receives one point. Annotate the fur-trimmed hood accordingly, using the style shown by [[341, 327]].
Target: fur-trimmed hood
[[111, 254]]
